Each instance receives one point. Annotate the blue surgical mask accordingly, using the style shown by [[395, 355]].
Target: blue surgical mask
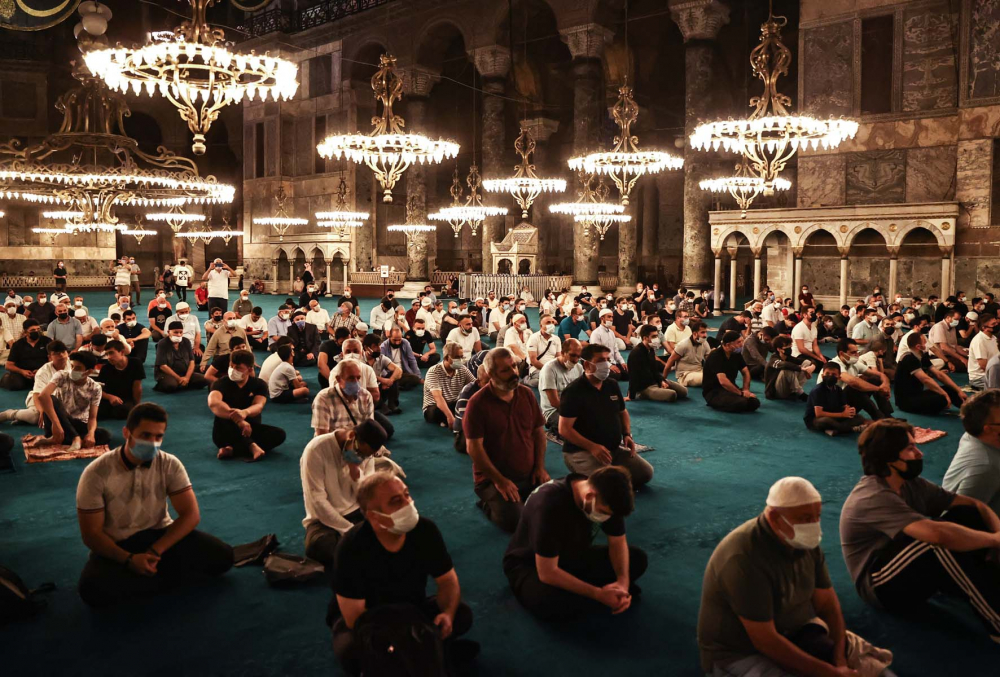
[[351, 388], [738, 350], [351, 455], [300, 323], [145, 451]]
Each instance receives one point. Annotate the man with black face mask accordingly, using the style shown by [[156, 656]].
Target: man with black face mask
[[27, 355], [899, 543]]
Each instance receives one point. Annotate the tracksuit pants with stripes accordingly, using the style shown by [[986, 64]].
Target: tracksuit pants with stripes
[[908, 572]]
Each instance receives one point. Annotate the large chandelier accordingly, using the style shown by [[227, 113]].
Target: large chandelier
[[625, 163], [281, 222], [473, 212], [744, 185], [341, 218], [524, 186], [90, 166], [387, 150], [770, 136], [194, 69], [592, 208]]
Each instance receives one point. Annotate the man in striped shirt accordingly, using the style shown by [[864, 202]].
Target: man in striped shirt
[[442, 385]]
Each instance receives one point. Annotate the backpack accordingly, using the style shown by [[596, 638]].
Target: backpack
[[396, 639], [17, 602]]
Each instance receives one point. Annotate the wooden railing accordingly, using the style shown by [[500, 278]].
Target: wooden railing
[[17, 282], [607, 281], [440, 277], [472, 285], [375, 278]]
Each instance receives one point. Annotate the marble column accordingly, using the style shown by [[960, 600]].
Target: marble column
[[893, 271], [417, 85], [717, 284], [756, 272], [732, 278], [274, 276], [845, 266], [628, 251], [946, 286], [699, 22], [586, 44], [650, 226], [493, 63], [329, 278], [364, 184], [541, 130], [797, 272]]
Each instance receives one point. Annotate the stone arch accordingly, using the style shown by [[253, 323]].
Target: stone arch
[[283, 268], [437, 34], [318, 260], [500, 23], [809, 231], [361, 62], [903, 232], [859, 228], [864, 240]]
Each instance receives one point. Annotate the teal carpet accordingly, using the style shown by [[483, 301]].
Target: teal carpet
[[712, 473]]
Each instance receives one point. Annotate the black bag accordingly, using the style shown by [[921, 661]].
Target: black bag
[[17, 602], [397, 640], [254, 553], [284, 568]]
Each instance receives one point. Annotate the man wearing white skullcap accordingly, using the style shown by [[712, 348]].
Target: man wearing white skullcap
[[764, 587], [516, 340], [604, 335]]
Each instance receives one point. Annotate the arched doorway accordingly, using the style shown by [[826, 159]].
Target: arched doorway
[[337, 267], [778, 264], [298, 265], [869, 263], [919, 266], [821, 265], [284, 271], [318, 268]]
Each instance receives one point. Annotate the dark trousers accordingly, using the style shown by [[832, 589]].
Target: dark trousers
[[593, 566], [105, 582], [140, 350], [300, 359], [876, 405], [434, 415], [72, 427], [168, 384], [12, 381], [431, 360], [217, 302], [115, 411], [348, 651], [321, 540], [182, 292], [757, 372], [256, 343], [926, 402], [838, 425], [503, 513], [386, 424], [388, 397], [907, 572], [731, 403], [408, 381], [226, 434]]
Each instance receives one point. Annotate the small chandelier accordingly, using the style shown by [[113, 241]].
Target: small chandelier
[[194, 69], [410, 229], [524, 186], [341, 218], [771, 136], [592, 207], [451, 214], [625, 163], [139, 233], [473, 212], [387, 150], [744, 186], [281, 222], [175, 218]]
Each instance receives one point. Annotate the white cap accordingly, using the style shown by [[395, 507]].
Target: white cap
[[10, 302], [791, 492], [972, 315], [361, 326], [606, 311], [480, 298], [516, 317], [80, 312], [183, 305], [425, 302]]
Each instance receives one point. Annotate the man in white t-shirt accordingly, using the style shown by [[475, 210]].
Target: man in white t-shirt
[[543, 347], [218, 275], [804, 338], [981, 350], [466, 336], [555, 376], [255, 327], [679, 330], [426, 313], [318, 317], [182, 279], [284, 385]]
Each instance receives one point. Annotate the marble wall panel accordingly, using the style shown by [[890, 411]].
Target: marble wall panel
[[875, 177], [820, 180], [979, 122], [822, 274], [929, 74], [930, 174], [984, 49], [828, 77], [920, 276], [864, 273], [972, 185], [779, 269]]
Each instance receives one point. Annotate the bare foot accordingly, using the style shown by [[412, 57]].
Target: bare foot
[[257, 452], [225, 452]]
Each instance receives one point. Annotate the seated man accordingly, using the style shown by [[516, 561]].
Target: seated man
[[785, 375], [387, 559], [255, 327], [688, 357], [220, 365], [765, 585], [398, 350], [604, 335], [66, 328], [221, 337], [555, 376], [554, 569], [442, 385], [677, 331], [243, 306], [238, 402], [121, 382], [158, 316], [981, 350], [756, 346], [543, 347], [422, 344], [329, 351], [58, 361], [278, 325], [319, 318], [905, 539], [69, 405], [505, 437], [573, 325], [192, 329], [386, 373], [719, 377], [136, 548], [914, 373], [331, 467], [594, 423], [174, 367], [975, 468], [347, 317], [866, 389], [827, 409], [27, 355], [466, 336], [134, 336], [942, 342], [285, 385], [482, 380], [305, 340], [646, 379], [346, 402]]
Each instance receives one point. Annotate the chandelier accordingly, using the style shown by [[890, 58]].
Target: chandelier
[[175, 218], [281, 222], [473, 212], [592, 207], [410, 229], [387, 150], [194, 69], [625, 163], [744, 186], [524, 186], [770, 136], [341, 218], [451, 214]]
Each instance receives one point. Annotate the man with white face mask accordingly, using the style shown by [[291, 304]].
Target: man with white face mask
[[174, 368], [442, 385], [69, 405], [387, 559], [238, 401], [764, 587], [543, 346], [604, 335], [771, 314], [219, 343]]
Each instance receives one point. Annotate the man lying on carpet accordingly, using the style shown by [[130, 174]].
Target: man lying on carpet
[[905, 539], [69, 405], [553, 567], [386, 560], [238, 401], [136, 549]]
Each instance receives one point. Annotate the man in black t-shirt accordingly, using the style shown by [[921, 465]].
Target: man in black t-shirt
[[121, 381], [136, 335], [594, 423], [553, 567], [387, 559], [41, 310], [349, 298], [237, 402], [718, 385], [422, 345], [917, 391], [158, 317], [328, 352], [585, 298], [27, 355]]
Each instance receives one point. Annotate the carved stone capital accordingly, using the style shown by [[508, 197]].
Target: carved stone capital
[[541, 129], [419, 80], [893, 252], [586, 41], [756, 251], [733, 252], [797, 252], [946, 251], [844, 251], [699, 19], [492, 61]]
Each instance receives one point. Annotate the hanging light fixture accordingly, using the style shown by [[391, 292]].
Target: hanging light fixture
[[387, 151], [194, 69], [341, 218], [175, 218], [525, 186], [281, 222], [771, 136], [411, 229], [139, 233], [473, 212], [744, 185], [593, 208], [450, 214]]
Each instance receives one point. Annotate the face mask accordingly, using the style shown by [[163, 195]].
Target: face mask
[[872, 320], [216, 318], [78, 304], [738, 350], [506, 306], [777, 305], [404, 519], [77, 375], [466, 332], [235, 375], [109, 333], [12, 311], [520, 309], [124, 305], [850, 360], [312, 290], [458, 362], [608, 324], [131, 323], [656, 342], [909, 317], [183, 316], [144, 451], [244, 297], [34, 334], [828, 325], [347, 294], [671, 307], [351, 388], [889, 331], [953, 324], [685, 322], [231, 323], [176, 339], [830, 381], [42, 299], [62, 316], [602, 370], [807, 536], [593, 515], [877, 304], [913, 469], [351, 455], [419, 332]]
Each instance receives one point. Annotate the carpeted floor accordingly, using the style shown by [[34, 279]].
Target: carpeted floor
[[712, 473]]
